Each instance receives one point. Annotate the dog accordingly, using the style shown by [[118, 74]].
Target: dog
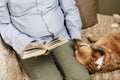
[[101, 56]]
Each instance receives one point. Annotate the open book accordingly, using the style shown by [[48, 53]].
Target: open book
[[37, 50]]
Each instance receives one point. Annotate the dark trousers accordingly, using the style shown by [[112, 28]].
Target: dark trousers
[[60, 64]]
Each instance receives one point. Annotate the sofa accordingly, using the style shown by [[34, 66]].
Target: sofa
[[90, 8], [96, 17]]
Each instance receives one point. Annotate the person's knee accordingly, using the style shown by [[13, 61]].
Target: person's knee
[[80, 77], [87, 77]]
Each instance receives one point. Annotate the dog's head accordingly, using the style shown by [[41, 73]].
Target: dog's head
[[83, 52], [88, 56]]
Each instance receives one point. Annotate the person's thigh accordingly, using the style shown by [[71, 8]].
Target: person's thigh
[[65, 60], [41, 68]]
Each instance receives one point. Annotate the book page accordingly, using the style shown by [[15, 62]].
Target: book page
[[35, 48], [55, 43], [40, 50], [32, 53]]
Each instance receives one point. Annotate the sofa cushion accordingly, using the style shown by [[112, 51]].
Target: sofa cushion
[[88, 10], [108, 7]]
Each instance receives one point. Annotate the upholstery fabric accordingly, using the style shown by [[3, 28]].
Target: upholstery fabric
[[108, 7], [88, 11]]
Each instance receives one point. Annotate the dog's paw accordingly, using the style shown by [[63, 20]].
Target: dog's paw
[[91, 38]]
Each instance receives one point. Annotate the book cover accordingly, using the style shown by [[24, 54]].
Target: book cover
[[37, 50]]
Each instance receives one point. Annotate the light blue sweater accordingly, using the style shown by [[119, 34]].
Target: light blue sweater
[[22, 21]]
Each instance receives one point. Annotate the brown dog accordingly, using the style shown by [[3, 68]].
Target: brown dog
[[101, 56]]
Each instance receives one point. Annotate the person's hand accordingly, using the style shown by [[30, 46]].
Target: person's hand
[[41, 45], [32, 44]]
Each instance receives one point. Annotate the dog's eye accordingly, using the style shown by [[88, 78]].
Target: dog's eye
[[82, 45]]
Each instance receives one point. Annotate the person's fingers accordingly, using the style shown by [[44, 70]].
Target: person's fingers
[[45, 42], [29, 45], [41, 45], [36, 44]]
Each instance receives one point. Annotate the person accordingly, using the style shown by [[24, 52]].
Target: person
[[34, 22]]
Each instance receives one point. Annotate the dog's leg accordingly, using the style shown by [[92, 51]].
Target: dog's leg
[[91, 38]]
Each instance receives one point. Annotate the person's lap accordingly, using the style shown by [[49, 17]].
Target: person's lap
[[64, 58], [41, 68], [44, 68]]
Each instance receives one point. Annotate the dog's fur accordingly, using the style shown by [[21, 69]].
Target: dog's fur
[[107, 46], [116, 20]]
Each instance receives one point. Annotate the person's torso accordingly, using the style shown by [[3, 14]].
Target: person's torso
[[37, 18]]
